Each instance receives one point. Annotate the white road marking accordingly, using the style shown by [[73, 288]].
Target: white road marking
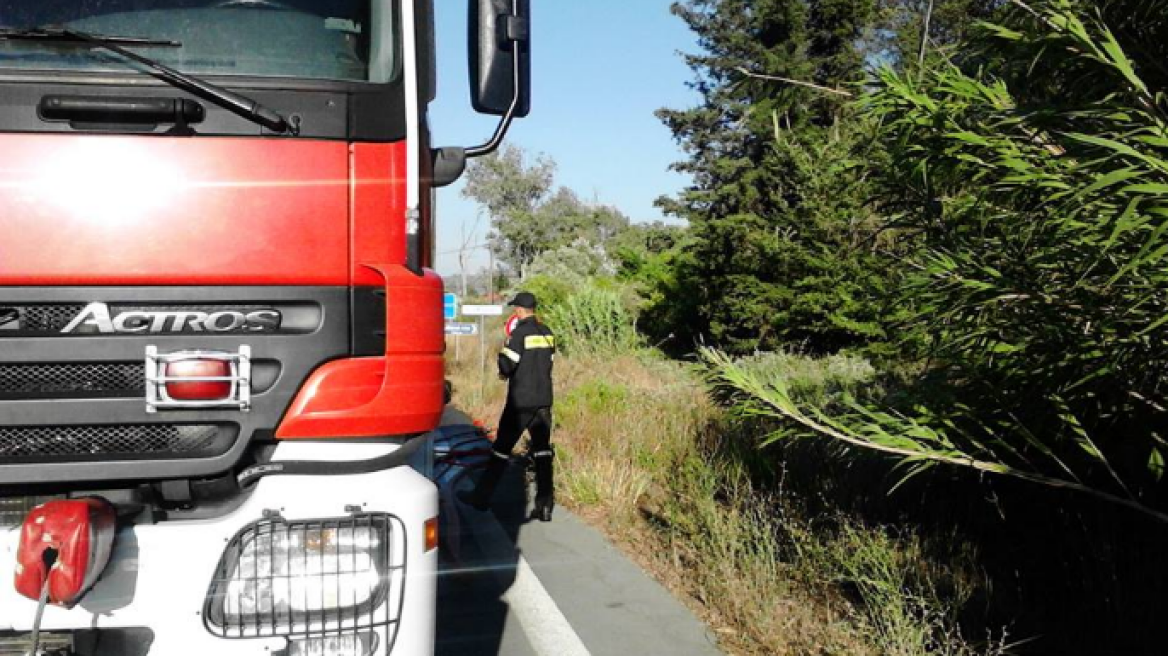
[[544, 625], [546, 628]]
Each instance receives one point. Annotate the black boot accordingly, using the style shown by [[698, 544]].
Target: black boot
[[543, 509], [544, 488], [480, 497]]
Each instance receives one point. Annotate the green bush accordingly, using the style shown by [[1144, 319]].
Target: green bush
[[813, 379], [1039, 187], [573, 263], [1040, 279], [594, 321], [550, 291], [595, 397]]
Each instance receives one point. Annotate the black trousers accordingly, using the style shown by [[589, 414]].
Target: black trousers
[[515, 421], [537, 422]]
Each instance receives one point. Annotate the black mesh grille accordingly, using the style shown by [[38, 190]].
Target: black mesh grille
[[47, 318], [123, 441], [76, 381]]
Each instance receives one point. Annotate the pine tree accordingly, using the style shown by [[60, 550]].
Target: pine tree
[[950, 21], [780, 246]]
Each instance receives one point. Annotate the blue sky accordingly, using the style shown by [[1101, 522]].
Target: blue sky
[[600, 69]]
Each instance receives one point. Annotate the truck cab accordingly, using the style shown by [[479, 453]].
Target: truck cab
[[218, 317]]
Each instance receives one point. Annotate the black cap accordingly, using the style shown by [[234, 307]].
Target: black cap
[[524, 300]]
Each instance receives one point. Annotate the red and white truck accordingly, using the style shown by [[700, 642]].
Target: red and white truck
[[221, 342]]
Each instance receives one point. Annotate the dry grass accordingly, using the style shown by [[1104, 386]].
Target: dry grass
[[639, 458]]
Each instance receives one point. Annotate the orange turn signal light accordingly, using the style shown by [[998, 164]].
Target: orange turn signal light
[[431, 532]]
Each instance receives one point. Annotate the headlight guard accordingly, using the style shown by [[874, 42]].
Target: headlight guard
[[309, 578]]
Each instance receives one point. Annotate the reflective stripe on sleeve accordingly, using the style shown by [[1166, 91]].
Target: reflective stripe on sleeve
[[511, 355], [539, 342]]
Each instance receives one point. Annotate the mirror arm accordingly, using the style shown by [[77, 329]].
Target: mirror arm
[[517, 37], [500, 133]]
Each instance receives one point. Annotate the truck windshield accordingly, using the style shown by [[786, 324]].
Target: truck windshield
[[345, 40]]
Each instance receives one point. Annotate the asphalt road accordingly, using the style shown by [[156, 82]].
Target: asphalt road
[[511, 586]]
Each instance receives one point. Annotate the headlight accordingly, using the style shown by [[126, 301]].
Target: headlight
[[296, 578]]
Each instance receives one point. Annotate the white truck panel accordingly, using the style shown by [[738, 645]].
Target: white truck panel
[[159, 574]]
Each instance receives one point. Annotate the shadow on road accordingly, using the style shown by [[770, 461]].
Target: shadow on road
[[477, 565]]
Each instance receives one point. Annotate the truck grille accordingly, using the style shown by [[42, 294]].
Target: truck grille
[[13, 510], [75, 381], [123, 441], [82, 642], [47, 318], [21, 645]]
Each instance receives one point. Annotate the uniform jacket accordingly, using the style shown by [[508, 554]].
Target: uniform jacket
[[526, 362]]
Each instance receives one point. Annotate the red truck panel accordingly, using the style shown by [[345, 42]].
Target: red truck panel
[[399, 394], [116, 210], [379, 207]]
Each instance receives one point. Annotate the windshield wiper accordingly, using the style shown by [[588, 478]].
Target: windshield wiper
[[51, 34], [234, 102]]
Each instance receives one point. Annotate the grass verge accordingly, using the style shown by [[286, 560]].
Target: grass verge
[[648, 458]]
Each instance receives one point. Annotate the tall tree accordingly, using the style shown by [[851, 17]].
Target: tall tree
[[776, 256], [510, 186], [900, 34], [506, 182], [529, 215]]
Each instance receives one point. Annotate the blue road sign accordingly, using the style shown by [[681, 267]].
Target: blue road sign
[[462, 329], [450, 306]]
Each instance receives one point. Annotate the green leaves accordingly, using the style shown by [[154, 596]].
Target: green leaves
[[1156, 464], [1037, 188], [529, 215], [997, 220], [784, 242], [594, 320]]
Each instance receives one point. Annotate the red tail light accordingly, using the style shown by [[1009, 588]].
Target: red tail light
[[199, 388]]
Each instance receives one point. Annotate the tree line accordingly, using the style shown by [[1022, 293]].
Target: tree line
[[972, 194], [984, 212]]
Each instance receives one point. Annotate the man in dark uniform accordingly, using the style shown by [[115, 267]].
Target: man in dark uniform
[[526, 362]]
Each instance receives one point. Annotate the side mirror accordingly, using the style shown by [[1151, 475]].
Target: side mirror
[[500, 57], [500, 77]]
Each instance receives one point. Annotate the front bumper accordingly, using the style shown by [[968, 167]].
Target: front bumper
[[159, 574]]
